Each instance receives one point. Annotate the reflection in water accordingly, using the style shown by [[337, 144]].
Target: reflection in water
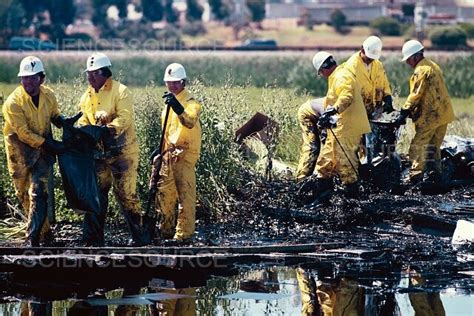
[[424, 303], [185, 306], [345, 296], [309, 291], [36, 309]]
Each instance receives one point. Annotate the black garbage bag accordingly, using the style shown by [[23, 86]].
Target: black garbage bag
[[384, 171], [77, 167]]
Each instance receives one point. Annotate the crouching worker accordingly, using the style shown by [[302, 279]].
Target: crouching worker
[[181, 149], [346, 120], [28, 113], [109, 104]]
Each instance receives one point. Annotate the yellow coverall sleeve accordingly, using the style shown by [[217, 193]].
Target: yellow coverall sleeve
[[386, 85], [345, 92], [417, 89], [124, 112], [14, 115], [84, 119], [191, 114]]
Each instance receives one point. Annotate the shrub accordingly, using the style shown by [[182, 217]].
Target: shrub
[[448, 36], [338, 20], [386, 26], [468, 28]]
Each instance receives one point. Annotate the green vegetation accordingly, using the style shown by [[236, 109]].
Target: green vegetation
[[226, 108], [386, 26], [468, 28], [448, 36], [285, 70], [338, 21]]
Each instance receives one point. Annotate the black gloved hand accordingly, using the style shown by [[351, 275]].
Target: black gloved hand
[[63, 121], [155, 153], [402, 117], [171, 100], [53, 147], [388, 104], [325, 118]]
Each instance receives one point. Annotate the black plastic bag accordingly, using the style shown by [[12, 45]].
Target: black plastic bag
[[77, 167]]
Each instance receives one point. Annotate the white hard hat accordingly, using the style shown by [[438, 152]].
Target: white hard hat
[[372, 47], [174, 72], [97, 61], [411, 47], [30, 66], [319, 58]]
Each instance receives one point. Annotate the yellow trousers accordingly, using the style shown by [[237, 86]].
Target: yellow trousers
[[120, 172], [333, 161], [177, 185], [425, 147], [31, 189], [311, 143]]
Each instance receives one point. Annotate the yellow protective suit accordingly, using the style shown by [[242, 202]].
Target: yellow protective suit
[[185, 306], [24, 131], [112, 105], [344, 95], [373, 81], [177, 183], [431, 110], [343, 298], [308, 120]]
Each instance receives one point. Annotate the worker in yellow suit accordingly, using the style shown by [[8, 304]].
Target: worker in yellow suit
[[182, 146], [430, 108], [308, 116], [109, 104], [346, 121], [28, 113], [375, 89], [344, 297]]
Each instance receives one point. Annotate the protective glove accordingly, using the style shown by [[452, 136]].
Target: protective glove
[[63, 121], [402, 117], [325, 118], [388, 104], [171, 100], [53, 147], [153, 155]]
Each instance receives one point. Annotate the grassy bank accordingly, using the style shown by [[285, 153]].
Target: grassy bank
[[225, 110], [291, 70]]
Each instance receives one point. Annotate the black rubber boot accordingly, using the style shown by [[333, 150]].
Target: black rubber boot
[[134, 223], [93, 224], [351, 191], [323, 193], [39, 212]]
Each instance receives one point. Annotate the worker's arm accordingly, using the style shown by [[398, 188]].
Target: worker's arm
[[345, 93], [124, 112], [191, 113], [15, 117], [418, 85]]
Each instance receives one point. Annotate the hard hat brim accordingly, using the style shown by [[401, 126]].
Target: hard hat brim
[[28, 73], [373, 56]]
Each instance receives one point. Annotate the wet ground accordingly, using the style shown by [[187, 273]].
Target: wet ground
[[402, 236]]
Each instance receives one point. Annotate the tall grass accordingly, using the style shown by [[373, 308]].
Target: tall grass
[[259, 69]]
